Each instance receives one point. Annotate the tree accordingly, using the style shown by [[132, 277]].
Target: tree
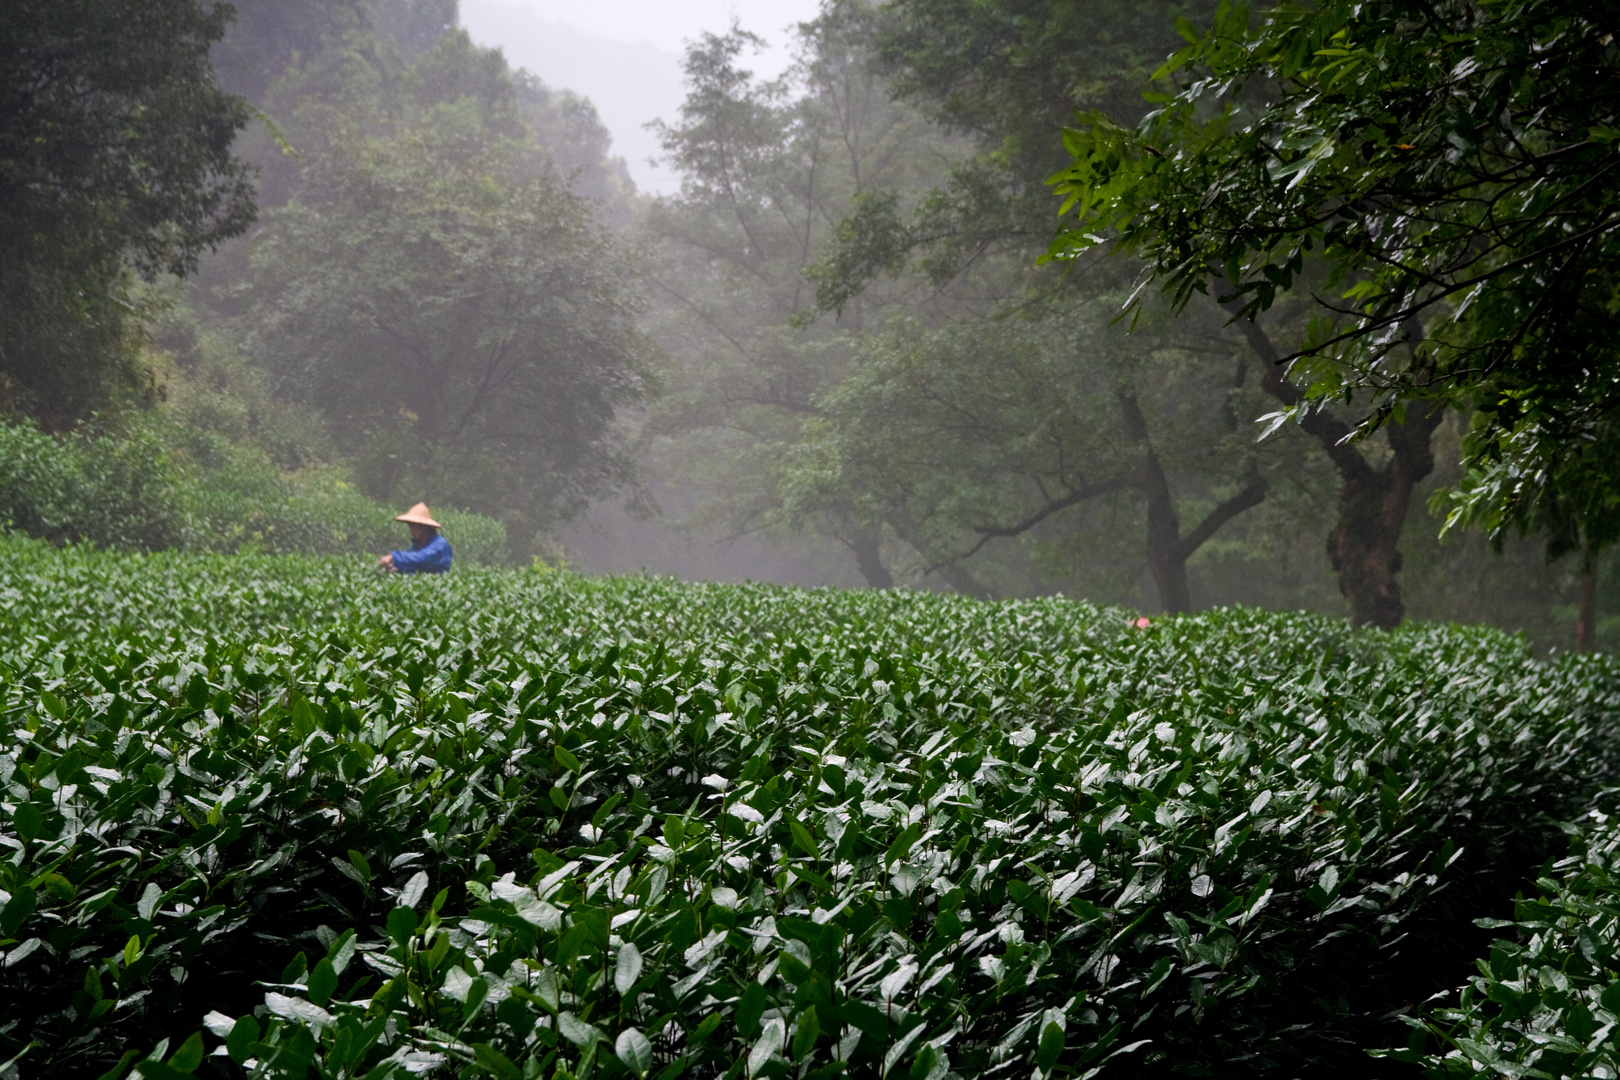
[[1037, 427], [1364, 544], [433, 283], [1576, 510], [577, 144], [466, 331], [769, 168], [266, 36], [1012, 72], [115, 158], [1447, 172], [1008, 74]]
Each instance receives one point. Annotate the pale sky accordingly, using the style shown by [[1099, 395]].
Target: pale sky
[[625, 55], [668, 23]]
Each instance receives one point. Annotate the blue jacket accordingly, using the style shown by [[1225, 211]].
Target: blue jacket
[[432, 557]]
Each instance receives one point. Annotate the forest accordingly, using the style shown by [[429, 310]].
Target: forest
[[1196, 420], [347, 257]]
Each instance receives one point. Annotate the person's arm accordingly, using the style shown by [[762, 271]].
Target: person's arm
[[408, 562], [432, 557]]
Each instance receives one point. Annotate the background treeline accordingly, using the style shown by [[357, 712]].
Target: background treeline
[[420, 274], [866, 355], [397, 282]]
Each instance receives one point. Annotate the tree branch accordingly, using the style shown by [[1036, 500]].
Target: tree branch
[[1252, 495], [1079, 495], [1329, 431]]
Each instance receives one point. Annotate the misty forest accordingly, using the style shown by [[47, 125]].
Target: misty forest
[[1079, 540]]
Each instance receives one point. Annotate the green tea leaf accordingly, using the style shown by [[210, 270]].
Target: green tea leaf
[[239, 1042], [577, 1031], [401, 925], [806, 1033], [496, 1062], [28, 821], [634, 1050], [627, 968], [323, 980], [802, 837], [16, 911]]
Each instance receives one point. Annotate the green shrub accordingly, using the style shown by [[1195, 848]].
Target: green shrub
[[122, 493], [475, 539], [1546, 1001], [515, 823], [160, 486]]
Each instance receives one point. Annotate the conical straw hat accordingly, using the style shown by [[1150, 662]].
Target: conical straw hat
[[418, 515]]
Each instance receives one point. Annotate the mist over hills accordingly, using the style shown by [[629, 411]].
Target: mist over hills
[[630, 84]]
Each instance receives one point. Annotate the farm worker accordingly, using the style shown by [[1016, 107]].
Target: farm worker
[[430, 552]]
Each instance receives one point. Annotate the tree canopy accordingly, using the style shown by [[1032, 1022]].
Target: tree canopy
[[115, 156], [434, 284], [769, 167], [1441, 178], [464, 330]]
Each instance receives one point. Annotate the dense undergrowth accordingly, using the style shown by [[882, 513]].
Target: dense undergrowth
[[135, 491], [1545, 1000], [272, 815]]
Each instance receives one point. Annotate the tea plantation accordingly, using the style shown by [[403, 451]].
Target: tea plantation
[[281, 817]]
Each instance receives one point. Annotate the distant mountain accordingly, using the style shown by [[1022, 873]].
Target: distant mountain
[[630, 84]]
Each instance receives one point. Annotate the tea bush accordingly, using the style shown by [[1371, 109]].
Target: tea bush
[[316, 512], [1546, 1001], [275, 815], [133, 491], [115, 492]]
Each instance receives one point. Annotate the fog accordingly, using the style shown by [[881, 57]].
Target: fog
[[806, 334], [625, 56]]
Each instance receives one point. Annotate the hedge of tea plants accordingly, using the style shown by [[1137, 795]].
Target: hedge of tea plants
[[282, 817], [1545, 999], [135, 491]]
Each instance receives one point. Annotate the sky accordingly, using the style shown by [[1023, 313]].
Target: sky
[[625, 55]]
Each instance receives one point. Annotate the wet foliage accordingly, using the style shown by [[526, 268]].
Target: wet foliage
[[293, 819], [1545, 1001]]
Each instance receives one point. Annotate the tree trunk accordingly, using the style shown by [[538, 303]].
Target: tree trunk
[[1163, 524], [1167, 549], [1586, 624], [870, 560], [1364, 545], [962, 580]]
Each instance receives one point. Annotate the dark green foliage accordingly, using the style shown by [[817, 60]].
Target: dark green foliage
[[115, 155], [1014, 72], [517, 822], [268, 35], [1546, 1000], [133, 491], [1450, 164]]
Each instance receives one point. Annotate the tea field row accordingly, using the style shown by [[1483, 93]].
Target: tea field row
[[282, 817]]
